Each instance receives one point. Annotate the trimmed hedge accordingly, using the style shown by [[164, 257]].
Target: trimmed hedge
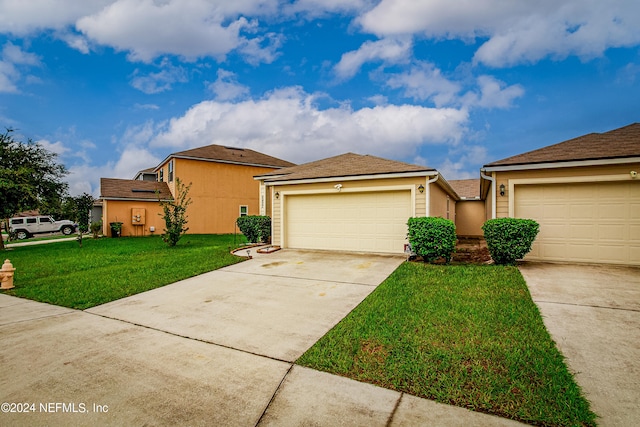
[[432, 238], [509, 239], [256, 228]]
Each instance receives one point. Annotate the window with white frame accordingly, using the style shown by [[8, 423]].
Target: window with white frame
[[244, 210], [171, 171]]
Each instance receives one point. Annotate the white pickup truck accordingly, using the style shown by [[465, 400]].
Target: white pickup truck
[[25, 227]]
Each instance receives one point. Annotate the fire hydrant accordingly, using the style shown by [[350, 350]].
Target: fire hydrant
[[6, 275]]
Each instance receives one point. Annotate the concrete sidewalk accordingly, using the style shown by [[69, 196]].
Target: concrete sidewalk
[[217, 349], [593, 314]]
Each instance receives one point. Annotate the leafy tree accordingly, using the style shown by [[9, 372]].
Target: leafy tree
[[82, 208], [175, 214], [30, 178]]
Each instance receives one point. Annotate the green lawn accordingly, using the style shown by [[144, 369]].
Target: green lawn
[[465, 335], [106, 269]]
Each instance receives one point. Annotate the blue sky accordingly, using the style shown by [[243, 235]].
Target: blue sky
[[114, 86]]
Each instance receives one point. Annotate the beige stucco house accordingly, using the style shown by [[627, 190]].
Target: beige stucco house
[[584, 193], [352, 202]]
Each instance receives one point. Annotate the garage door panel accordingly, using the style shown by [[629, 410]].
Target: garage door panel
[[367, 221], [587, 222]]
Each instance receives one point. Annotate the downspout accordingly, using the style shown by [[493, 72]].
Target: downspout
[[493, 192], [428, 193]]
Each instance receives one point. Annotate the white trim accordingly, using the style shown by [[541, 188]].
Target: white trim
[[240, 210], [229, 162], [128, 199], [354, 190], [561, 180], [351, 178], [553, 165], [427, 193]]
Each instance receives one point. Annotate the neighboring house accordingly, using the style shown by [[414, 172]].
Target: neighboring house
[[135, 204], [222, 189], [470, 209], [146, 175], [352, 202], [584, 193], [222, 184]]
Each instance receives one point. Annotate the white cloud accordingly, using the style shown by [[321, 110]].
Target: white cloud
[[57, 147], [286, 123], [517, 31], [468, 160], [227, 88], [22, 17], [424, 81], [390, 51], [189, 28], [493, 94], [14, 57], [160, 81]]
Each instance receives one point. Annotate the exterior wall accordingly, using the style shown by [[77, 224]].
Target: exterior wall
[[575, 174], [441, 204], [470, 216], [120, 211], [217, 192], [274, 205]]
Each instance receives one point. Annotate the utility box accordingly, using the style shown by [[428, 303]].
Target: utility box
[[138, 216]]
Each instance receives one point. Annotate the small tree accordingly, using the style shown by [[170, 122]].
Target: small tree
[[175, 214]]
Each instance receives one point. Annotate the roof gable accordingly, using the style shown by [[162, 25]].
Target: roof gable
[[112, 188], [618, 143], [348, 164], [221, 153]]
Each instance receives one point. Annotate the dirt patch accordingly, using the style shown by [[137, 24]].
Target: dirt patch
[[468, 251]]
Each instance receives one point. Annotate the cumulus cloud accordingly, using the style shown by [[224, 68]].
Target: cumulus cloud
[[161, 80], [190, 28], [424, 81], [390, 51], [57, 147], [287, 123], [468, 160], [227, 88], [493, 93], [517, 32], [13, 58]]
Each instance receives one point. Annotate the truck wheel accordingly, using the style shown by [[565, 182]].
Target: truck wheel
[[66, 230], [21, 234]]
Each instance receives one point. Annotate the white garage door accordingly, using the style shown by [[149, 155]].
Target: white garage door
[[363, 222], [590, 222]]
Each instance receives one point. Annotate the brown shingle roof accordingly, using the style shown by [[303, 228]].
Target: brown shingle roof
[[112, 188], [466, 188], [618, 143], [348, 164], [232, 155]]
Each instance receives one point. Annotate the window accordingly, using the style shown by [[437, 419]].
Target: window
[[31, 220], [17, 221], [161, 175], [171, 171], [45, 219], [244, 210]]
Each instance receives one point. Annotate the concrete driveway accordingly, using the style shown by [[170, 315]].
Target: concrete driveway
[[593, 314], [216, 349]]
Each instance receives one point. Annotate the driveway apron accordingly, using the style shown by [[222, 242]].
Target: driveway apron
[[593, 315]]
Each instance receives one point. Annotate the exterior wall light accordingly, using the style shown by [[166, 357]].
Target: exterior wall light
[[633, 174], [277, 195], [502, 189], [421, 188]]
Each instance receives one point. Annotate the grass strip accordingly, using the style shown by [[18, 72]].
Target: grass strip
[[105, 270], [465, 335]]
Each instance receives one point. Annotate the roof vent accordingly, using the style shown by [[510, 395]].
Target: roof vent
[[138, 190]]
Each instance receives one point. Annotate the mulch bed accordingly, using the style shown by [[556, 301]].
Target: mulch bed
[[468, 251]]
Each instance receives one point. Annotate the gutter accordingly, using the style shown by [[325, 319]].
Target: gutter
[[493, 191], [427, 191]]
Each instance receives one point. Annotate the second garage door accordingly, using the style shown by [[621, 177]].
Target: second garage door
[[363, 222], [586, 222]]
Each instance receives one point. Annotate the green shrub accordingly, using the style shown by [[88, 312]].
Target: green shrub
[[509, 239], [256, 228], [432, 238], [96, 228]]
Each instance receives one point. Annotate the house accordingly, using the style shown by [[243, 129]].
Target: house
[[146, 175], [352, 202], [222, 189], [584, 193], [135, 204]]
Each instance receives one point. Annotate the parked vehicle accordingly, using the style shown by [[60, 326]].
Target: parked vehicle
[[25, 227]]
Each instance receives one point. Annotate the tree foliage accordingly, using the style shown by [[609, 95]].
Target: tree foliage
[[81, 210], [509, 239], [175, 214], [432, 237], [30, 178]]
